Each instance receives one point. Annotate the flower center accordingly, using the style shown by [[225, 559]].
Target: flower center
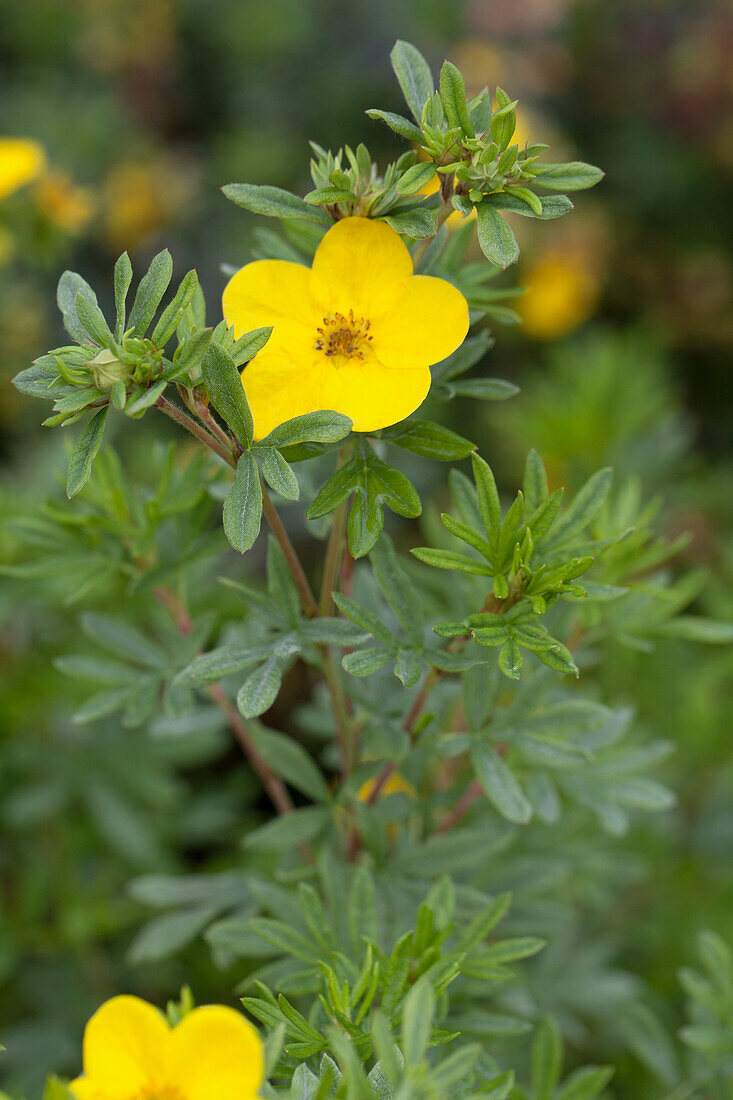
[[343, 336]]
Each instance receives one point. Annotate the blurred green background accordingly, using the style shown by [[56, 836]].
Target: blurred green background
[[145, 108]]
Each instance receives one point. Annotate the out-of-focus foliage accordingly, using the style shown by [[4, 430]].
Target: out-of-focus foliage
[[144, 109]]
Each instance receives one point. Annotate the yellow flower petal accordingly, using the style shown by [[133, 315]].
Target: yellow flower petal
[[21, 161], [358, 263], [428, 323], [126, 1051], [217, 1055], [370, 393], [272, 292], [280, 384], [373, 394]]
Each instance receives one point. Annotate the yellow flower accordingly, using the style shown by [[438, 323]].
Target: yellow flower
[[130, 1053], [68, 206], [561, 293], [356, 333], [21, 161], [396, 784]]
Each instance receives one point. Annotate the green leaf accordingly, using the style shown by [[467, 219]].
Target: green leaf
[[278, 474], [398, 124], [546, 1059], [191, 355], [534, 486], [398, 589], [92, 320], [448, 559], [364, 662], [259, 690], [534, 202], [364, 618], [455, 1068], [498, 1088], [169, 933], [273, 202], [339, 486], [283, 834], [484, 922], [290, 760], [467, 535], [173, 312], [488, 499], [584, 508], [243, 505], [323, 195], [224, 385], [417, 1019], [85, 451], [573, 176], [122, 280], [558, 658], [500, 784], [223, 661], [429, 440], [247, 346], [414, 76], [496, 237], [504, 121], [408, 667], [377, 484], [413, 223], [453, 96], [70, 285], [551, 206], [316, 427], [416, 177], [692, 628], [153, 286], [327, 631], [585, 1083], [124, 640], [480, 110], [485, 389]]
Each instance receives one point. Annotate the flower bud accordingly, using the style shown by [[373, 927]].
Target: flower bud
[[106, 369]]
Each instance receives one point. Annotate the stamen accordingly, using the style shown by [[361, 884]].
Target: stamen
[[343, 336]]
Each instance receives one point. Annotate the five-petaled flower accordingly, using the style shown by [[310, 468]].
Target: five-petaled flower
[[130, 1053], [357, 332]]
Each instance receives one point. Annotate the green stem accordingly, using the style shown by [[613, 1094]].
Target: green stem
[[443, 214], [331, 672], [191, 426], [335, 548], [307, 599]]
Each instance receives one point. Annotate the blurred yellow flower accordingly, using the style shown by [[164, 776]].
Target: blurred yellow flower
[[356, 333], [561, 293], [66, 205], [396, 784], [141, 197], [21, 161], [131, 1053]]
